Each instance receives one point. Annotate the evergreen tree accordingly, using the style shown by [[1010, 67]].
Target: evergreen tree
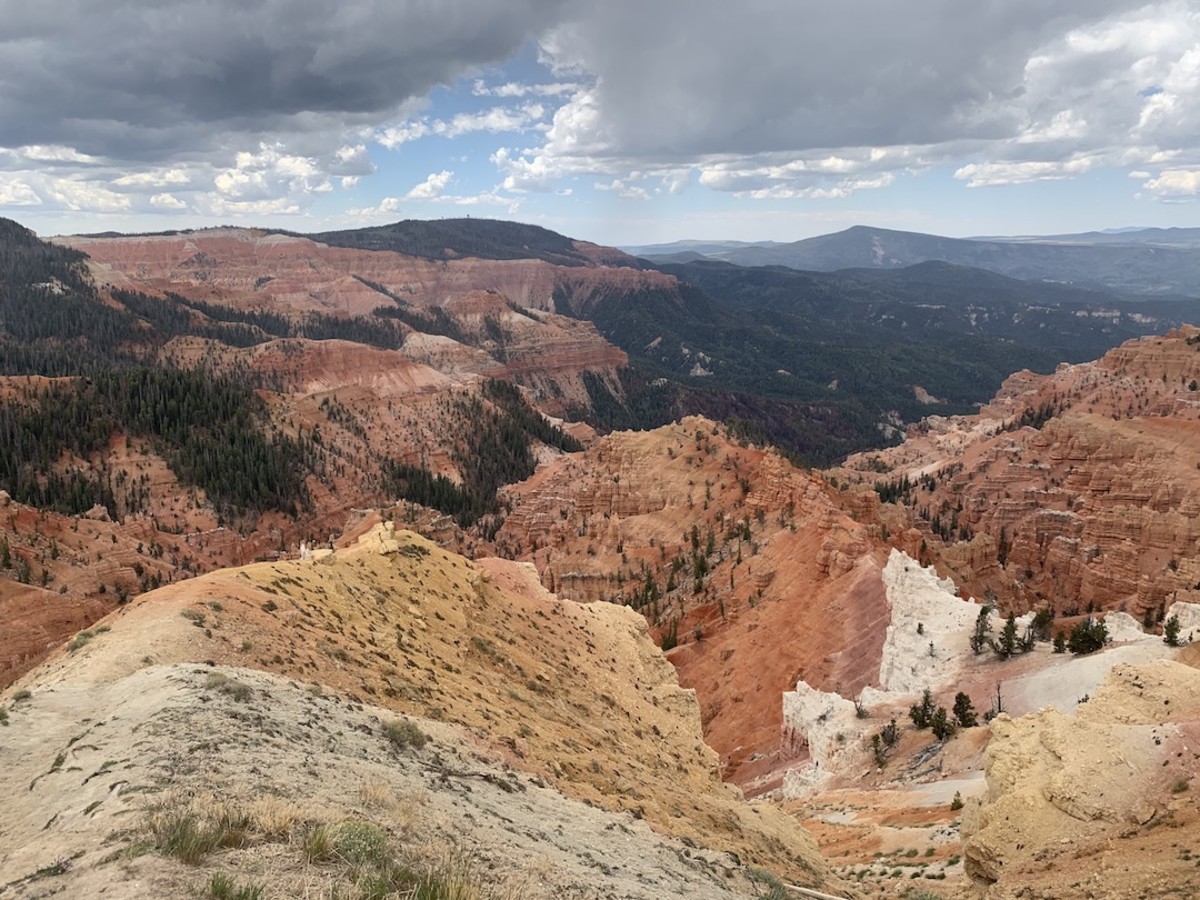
[[964, 711], [1088, 636], [983, 628], [1171, 632], [922, 713], [1007, 645], [941, 724]]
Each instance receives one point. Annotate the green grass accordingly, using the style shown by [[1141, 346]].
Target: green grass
[[80, 640], [223, 887], [774, 887], [318, 844], [379, 873], [188, 838]]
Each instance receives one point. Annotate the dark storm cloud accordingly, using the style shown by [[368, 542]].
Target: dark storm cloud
[[677, 81], [154, 80]]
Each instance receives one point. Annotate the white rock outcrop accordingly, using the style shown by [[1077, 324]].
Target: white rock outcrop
[[822, 722], [1189, 620], [1123, 627], [929, 637]]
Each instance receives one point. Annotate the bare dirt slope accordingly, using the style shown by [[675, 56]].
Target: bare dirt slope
[[87, 760], [576, 697]]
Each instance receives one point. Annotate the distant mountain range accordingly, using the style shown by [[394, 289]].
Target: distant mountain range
[[1140, 262]]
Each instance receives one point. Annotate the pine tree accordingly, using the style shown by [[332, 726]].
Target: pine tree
[[983, 628], [1087, 636], [922, 714], [941, 724], [1171, 632], [1008, 645], [964, 710]]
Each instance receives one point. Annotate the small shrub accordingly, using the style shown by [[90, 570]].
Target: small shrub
[[21, 695], [80, 640], [404, 734], [956, 804], [890, 733], [362, 845], [775, 887], [1179, 786], [3, 716], [226, 685]]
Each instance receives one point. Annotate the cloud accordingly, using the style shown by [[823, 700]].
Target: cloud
[[167, 201], [153, 81], [431, 187], [1175, 184], [248, 109], [623, 188], [495, 120], [427, 192], [1006, 173], [514, 89], [82, 196], [799, 78], [15, 192], [820, 102]]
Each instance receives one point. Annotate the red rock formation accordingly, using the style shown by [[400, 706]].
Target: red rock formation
[[506, 306], [791, 588], [1096, 508], [364, 403]]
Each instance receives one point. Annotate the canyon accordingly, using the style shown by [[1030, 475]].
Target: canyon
[[675, 638]]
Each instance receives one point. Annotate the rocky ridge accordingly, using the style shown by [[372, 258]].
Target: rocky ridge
[[575, 697]]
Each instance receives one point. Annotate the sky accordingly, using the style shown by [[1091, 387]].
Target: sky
[[619, 122]]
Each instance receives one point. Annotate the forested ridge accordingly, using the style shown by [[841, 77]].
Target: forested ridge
[[454, 238], [111, 379], [211, 429], [207, 428], [492, 449]]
